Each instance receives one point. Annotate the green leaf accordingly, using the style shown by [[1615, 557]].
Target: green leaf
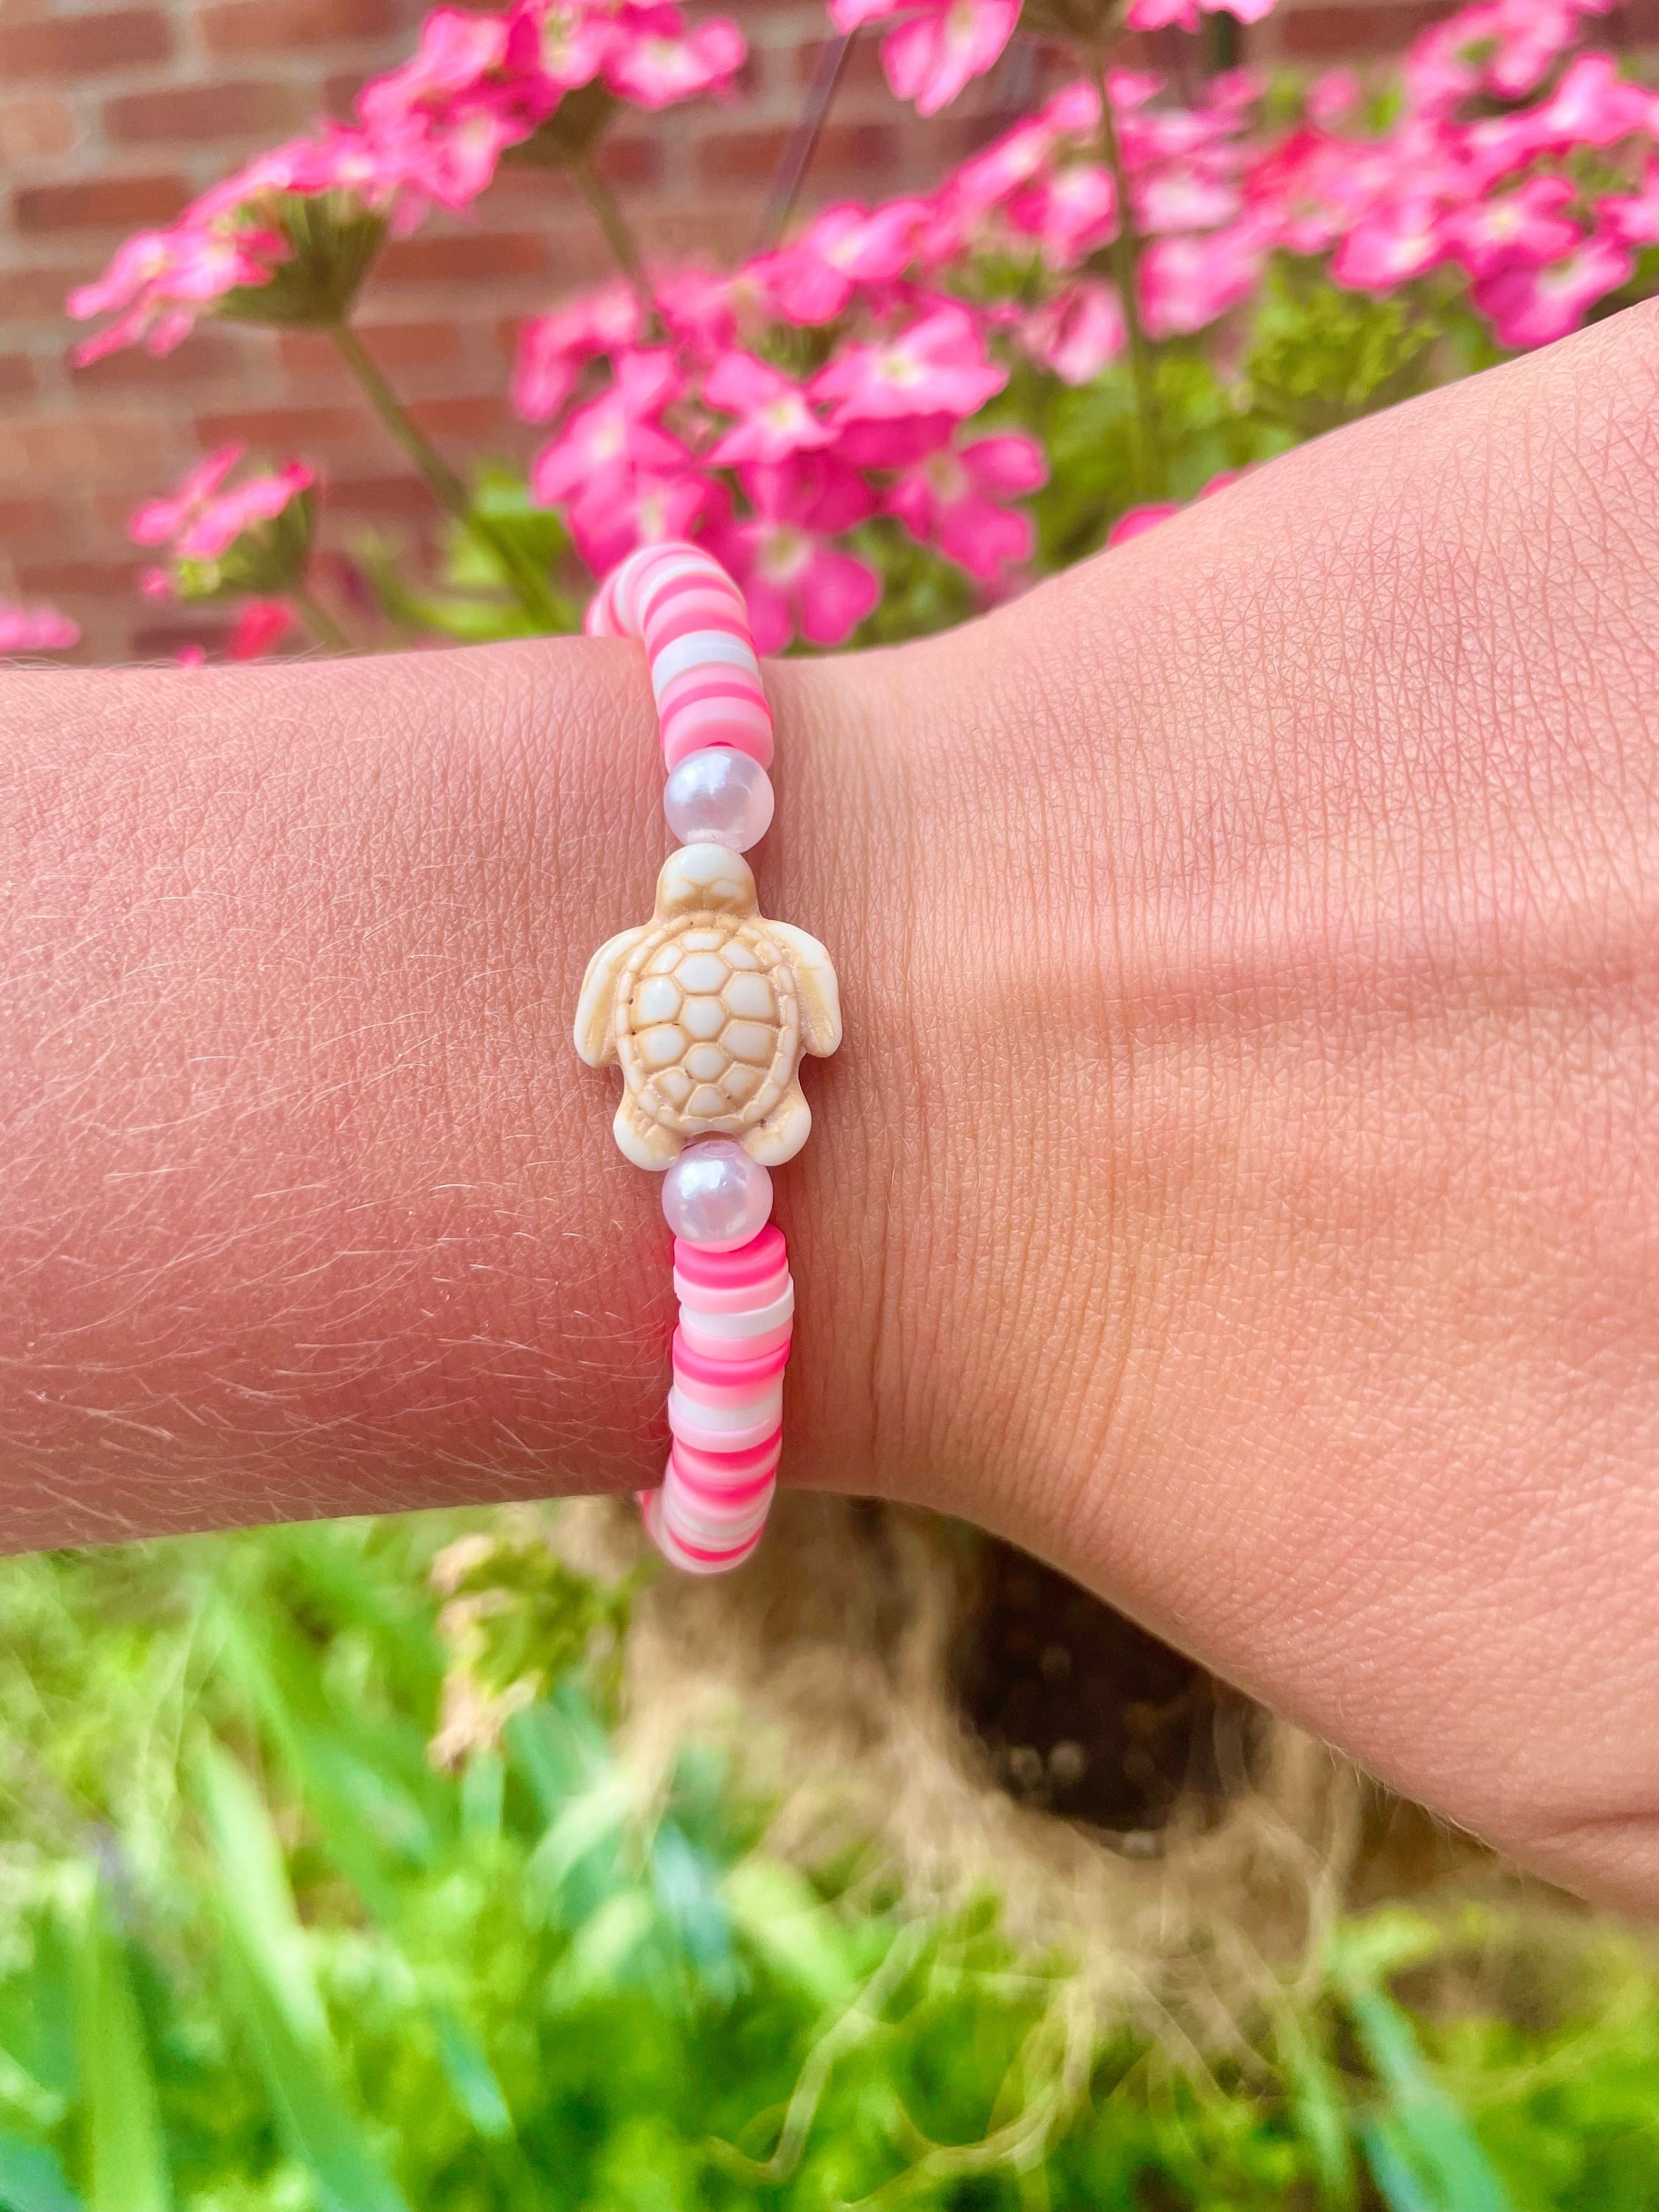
[[782, 1915], [602, 1951], [32, 2180], [470, 2076], [272, 1984], [126, 2165], [1318, 2107], [1389, 2160], [1422, 2124]]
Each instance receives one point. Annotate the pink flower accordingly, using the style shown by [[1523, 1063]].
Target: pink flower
[[1135, 521], [554, 350], [260, 627], [159, 521], [950, 499], [1069, 212], [199, 523], [795, 581], [775, 420], [1530, 306], [1187, 281], [614, 438], [937, 47], [1333, 98], [1632, 218], [1526, 225], [1077, 333], [1592, 106], [701, 307], [160, 280], [938, 367], [814, 279], [35, 630], [654, 69], [1183, 14], [1401, 239], [651, 509]]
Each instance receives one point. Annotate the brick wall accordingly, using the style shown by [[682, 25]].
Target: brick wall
[[113, 113]]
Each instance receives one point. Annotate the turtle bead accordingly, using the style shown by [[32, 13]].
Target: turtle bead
[[718, 796], [715, 1196]]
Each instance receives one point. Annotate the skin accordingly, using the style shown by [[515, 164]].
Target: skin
[[1240, 1182]]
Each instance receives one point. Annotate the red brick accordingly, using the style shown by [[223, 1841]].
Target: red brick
[[485, 415], [1321, 34], [99, 204], [745, 156], [32, 295], [630, 160], [35, 123], [272, 27], [79, 449], [75, 47], [207, 356], [201, 114], [99, 579], [285, 432], [31, 518], [457, 260], [866, 152], [403, 495], [165, 641], [862, 69], [16, 375], [394, 345]]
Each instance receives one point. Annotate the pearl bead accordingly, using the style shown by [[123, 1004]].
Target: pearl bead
[[716, 1196], [719, 796]]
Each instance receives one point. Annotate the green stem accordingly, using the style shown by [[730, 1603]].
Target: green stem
[[625, 247], [1126, 268], [529, 585], [318, 621]]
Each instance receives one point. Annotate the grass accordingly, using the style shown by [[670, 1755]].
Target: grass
[[258, 1954]]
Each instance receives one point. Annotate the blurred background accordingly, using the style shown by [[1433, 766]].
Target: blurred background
[[111, 117]]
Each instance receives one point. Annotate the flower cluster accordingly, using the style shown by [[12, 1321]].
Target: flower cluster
[[252, 536], [869, 386], [429, 134], [35, 630], [1529, 168], [698, 433]]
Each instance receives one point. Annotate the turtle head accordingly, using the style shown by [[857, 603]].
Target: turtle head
[[704, 879]]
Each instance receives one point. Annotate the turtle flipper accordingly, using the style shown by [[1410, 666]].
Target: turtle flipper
[[643, 1140], [816, 984], [596, 1031], [784, 1131]]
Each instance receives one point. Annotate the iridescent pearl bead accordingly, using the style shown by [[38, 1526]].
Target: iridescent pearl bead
[[719, 796], [716, 1196]]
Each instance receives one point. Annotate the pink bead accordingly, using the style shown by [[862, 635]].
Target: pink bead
[[749, 1371], [692, 1558], [721, 1428], [745, 1267]]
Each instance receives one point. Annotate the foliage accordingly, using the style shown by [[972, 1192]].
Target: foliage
[[257, 1954]]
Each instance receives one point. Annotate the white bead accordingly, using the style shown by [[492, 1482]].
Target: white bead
[[716, 1196], [719, 796]]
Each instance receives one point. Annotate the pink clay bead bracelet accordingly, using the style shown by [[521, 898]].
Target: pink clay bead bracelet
[[708, 1009]]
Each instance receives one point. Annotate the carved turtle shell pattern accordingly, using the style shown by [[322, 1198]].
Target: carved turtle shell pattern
[[708, 1023]]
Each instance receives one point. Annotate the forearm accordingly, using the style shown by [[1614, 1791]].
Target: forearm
[[1325, 1331], [1238, 1180]]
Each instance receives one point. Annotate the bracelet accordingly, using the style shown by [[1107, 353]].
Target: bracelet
[[708, 1008]]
